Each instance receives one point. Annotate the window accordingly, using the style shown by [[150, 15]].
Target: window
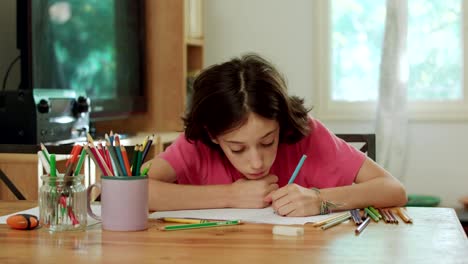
[[349, 37]]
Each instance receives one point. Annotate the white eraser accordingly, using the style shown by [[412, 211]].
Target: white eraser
[[288, 230]]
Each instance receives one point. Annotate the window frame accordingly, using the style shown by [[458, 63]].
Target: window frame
[[327, 109]]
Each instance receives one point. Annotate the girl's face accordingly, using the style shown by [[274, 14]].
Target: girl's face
[[251, 148]]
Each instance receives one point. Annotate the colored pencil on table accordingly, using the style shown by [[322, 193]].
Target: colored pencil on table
[[356, 217], [362, 226], [392, 219], [329, 219], [385, 215], [200, 225], [403, 215], [364, 215], [185, 220], [371, 214], [392, 216], [376, 213], [336, 221]]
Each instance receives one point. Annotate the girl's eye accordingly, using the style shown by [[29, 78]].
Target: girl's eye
[[268, 144], [237, 151]]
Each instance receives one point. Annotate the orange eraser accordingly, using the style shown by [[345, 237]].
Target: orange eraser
[[23, 221]]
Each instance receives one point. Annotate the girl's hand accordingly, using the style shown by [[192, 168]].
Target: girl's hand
[[294, 200], [251, 193]]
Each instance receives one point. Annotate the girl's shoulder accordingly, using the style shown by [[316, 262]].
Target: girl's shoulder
[[319, 135], [182, 144]]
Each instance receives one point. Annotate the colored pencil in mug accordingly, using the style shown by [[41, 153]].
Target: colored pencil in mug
[[134, 159], [73, 160], [100, 160], [146, 148], [114, 160], [123, 151], [46, 153], [96, 162], [80, 162], [146, 170], [120, 161], [44, 162], [138, 165]]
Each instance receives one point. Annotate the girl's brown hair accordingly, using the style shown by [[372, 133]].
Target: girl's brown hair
[[224, 95]]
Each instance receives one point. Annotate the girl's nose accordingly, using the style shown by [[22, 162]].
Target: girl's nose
[[256, 160]]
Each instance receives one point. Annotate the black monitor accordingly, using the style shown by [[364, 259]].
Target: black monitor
[[93, 47]]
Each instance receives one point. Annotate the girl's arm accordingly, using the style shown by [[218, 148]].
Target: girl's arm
[[373, 187], [165, 194]]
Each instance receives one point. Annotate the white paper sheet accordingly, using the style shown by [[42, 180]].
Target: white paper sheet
[[35, 211], [265, 216]]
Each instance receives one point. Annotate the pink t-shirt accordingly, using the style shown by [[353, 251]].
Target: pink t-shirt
[[330, 161]]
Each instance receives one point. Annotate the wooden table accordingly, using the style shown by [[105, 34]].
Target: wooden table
[[435, 236]]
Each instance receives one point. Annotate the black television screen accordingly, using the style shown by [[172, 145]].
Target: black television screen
[[94, 47]]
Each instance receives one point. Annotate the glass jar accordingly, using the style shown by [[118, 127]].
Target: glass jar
[[62, 203]]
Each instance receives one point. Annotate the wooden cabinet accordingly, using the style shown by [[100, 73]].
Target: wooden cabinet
[[170, 56]]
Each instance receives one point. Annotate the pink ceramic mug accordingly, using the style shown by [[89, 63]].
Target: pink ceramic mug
[[124, 203]]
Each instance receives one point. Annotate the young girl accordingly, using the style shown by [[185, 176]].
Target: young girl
[[244, 137]]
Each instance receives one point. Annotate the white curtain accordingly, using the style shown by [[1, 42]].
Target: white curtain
[[392, 118]]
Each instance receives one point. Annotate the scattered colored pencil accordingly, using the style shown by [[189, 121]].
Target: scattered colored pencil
[[200, 225]]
